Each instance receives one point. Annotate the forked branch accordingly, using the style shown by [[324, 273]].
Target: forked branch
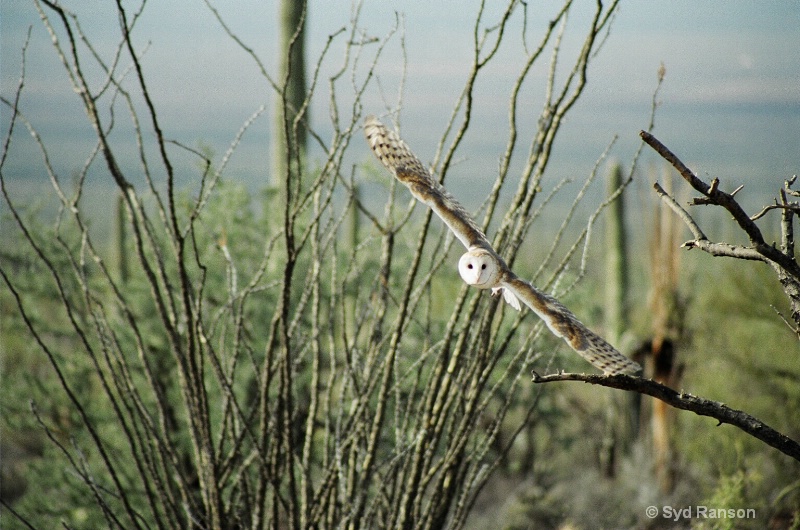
[[781, 259]]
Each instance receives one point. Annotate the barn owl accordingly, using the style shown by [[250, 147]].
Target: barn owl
[[481, 266]]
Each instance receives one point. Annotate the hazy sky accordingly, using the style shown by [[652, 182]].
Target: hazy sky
[[730, 104]]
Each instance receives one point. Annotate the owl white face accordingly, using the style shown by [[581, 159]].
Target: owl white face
[[479, 268]]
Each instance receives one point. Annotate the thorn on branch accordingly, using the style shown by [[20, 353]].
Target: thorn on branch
[[788, 185], [714, 186]]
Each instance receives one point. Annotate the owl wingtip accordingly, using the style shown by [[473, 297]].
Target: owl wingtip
[[631, 368]]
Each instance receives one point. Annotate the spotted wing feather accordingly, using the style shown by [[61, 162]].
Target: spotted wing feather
[[407, 168], [566, 325]]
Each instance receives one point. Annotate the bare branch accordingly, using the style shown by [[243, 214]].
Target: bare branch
[[713, 195], [783, 206], [682, 400], [725, 250], [683, 214]]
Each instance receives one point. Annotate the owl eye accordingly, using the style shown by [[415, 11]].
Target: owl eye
[[483, 266], [469, 266]]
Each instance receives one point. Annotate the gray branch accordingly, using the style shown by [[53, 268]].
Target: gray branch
[[713, 195], [682, 213]]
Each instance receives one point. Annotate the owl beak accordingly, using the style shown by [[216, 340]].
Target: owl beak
[[472, 274]]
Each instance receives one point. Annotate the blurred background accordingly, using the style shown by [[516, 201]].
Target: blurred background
[[728, 106]]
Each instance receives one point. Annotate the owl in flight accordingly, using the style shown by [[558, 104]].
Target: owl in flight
[[481, 266]]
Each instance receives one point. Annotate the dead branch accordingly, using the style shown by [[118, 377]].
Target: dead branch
[[682, 400], [782, 259], [678, 209], [713, 195]]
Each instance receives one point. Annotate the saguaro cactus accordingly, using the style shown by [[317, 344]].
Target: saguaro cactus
[[290, 139]]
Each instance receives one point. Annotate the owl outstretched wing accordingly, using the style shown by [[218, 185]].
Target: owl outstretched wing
[[563, 323], [407, 168]]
